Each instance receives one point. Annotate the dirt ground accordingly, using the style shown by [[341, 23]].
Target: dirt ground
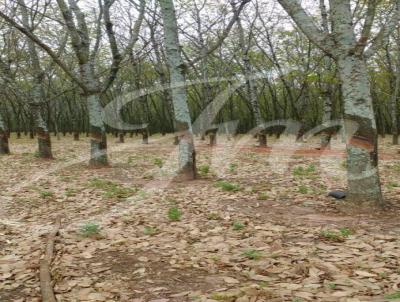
[[256, 225]]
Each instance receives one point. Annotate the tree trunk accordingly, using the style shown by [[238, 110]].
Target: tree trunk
[[122, 137], [394, 106], [327, 116], [250, 86], [262, 139], [98, 137], [44, 142], [362, 149], [43, 134], [145, 136], [187, 161], [4, 147], [213, 138], [76, 136]]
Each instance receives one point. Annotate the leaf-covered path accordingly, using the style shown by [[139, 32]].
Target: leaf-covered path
[[255, 226]]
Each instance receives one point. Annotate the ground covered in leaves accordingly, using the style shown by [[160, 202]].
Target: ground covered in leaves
[[256, 226]]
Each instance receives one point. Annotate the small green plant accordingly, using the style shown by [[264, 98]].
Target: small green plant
[[90, 229], [331, 236], [303, 189], [332, 285], [224, 296], [66, 178], [237, 226], [148, 230], [111, 189], [214, 216], [396, 167], [383, 275], [158, 162], [131, 159], [345, 232], [296, 299], [118, 192], [252, 254], [233, 167], [304, 171], [70, 192], [392, 185], [46, 194], [204, 170], [393, 296], [275, 256], [263, 284], [227, 186], [174, 214], [263, 196]]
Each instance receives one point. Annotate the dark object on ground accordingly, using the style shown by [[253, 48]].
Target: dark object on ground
[[337, 194]]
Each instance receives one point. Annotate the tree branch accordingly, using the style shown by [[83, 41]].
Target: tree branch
[[46, 48], [383, 36], [307, 26], [224, 33]]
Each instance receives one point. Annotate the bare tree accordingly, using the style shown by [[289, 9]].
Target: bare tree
[[88, 78], [349, 53], [187, 155], [38, 93]]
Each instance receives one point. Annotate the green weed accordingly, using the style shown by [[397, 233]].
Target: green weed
[[70, 192], [148, 230], [111, 189], [174, 214], [204, 170], [214, 216], [304, 171], [263, 196], [46, 194], [392, 185], [90, 229], [227, 186], [303, 190], [232, 168], [158, 162], [332, 236], [252, 254], [393, 296], [237, 226]]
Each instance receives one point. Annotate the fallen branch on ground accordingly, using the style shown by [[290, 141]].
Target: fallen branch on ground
[[45, 277]]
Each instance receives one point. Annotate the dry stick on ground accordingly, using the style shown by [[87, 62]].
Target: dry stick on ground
[[45, 276]]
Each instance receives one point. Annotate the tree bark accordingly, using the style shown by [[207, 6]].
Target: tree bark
[[145, 136], [394, 103], [4, 147], [362, 149], [122, 137], [187, 162], [98, 137], [349, 54], [43, 135]]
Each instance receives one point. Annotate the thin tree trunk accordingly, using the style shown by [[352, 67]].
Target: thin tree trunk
[[362, 150], [44, 142], [98, 137], [327, 116], [251, 88], [394, 105], [43, 134], [145, 136], [4, 147], [187, 162]]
